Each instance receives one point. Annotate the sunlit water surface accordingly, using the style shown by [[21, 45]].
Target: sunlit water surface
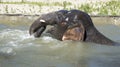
[[19, 49]]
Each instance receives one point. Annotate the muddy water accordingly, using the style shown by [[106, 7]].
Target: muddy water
[[19, 49]]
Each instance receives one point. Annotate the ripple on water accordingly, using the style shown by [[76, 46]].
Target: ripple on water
[[43, 50]]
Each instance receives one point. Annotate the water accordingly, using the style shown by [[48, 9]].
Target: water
[[19, 49]]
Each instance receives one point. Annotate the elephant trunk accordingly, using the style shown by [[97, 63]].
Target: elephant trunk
[[37, 28]]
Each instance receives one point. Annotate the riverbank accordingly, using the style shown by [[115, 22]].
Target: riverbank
[[26, 20], [109, 7]]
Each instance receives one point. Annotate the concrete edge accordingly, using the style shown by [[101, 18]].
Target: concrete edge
[[39, 15]]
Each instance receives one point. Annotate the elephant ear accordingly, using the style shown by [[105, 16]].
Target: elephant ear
[[76, 33]]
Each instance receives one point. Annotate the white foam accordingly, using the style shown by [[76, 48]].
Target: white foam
[[7, 51], [47, 38], [15, 37], [17, 34]]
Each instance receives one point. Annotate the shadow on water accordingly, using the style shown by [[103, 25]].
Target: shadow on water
[[19, 49]]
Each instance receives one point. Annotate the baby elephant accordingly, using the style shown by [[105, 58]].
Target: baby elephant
[[69, 25]]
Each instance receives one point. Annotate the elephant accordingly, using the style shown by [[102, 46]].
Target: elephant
[[73, 25], [53, 19]]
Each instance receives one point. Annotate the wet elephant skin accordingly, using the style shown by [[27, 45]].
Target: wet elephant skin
[[67, 25]]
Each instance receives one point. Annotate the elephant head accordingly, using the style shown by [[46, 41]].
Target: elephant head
[[40, 24], [69, 25]]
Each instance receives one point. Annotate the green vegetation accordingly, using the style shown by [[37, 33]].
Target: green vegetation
[[100, 8], [65, 3], [108, 8]]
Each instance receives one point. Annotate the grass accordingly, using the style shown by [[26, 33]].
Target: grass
[[100, 8], [64, 3], [108, 8]]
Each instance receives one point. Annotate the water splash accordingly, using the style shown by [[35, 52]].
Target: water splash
[[7, 52], [17, 38], [14, 37], [47, 39]]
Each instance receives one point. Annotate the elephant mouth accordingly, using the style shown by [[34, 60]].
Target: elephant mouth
[[37, 31]]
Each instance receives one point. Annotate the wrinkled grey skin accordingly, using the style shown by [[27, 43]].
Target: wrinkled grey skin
[[91, 33], [70, 18], [54, 19]]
